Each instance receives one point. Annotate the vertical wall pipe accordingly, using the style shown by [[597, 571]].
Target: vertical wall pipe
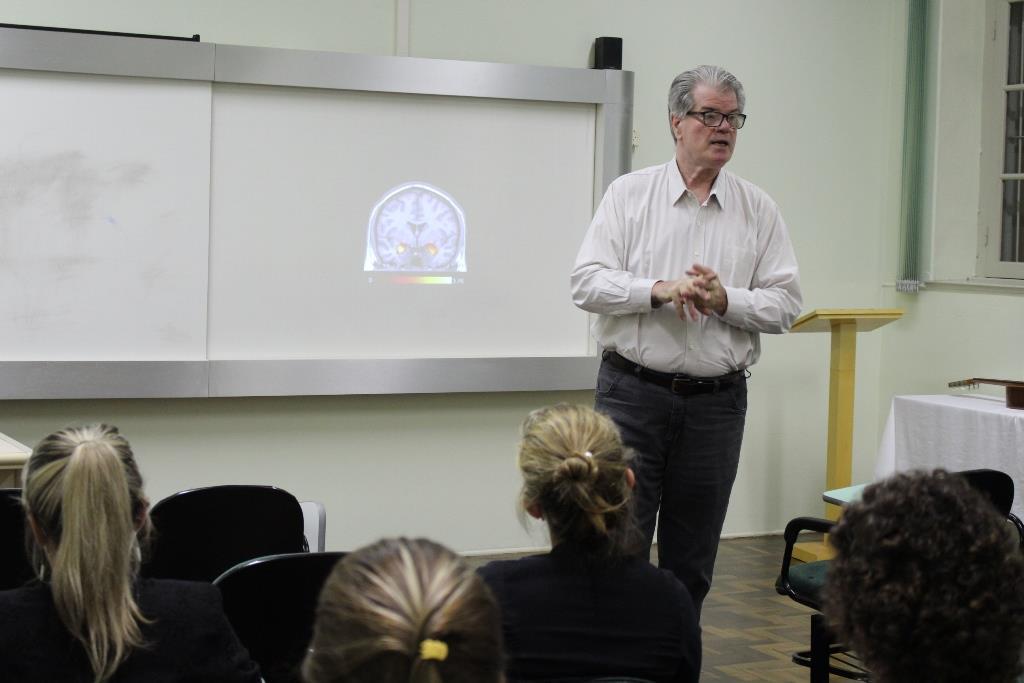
[[909, 277]]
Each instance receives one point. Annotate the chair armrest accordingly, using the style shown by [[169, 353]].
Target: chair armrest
[[1019, 525], [798, 524], [793, 529]]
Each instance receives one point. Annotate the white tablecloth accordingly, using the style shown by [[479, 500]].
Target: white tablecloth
[[959, 432]]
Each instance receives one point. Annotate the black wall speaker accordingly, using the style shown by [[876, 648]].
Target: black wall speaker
[[608, 53]]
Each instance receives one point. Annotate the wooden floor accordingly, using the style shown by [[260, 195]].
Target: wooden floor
[[750, 631]]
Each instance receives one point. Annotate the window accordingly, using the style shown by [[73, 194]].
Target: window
[[1011, 246], [1001, 248]]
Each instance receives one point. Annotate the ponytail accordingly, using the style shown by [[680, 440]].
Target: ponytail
[[405, 611], [83, 490]]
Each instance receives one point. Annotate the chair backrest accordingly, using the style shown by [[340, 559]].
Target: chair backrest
[[314, 523], [271, 603], [15, 568], [996, 485], [201, 533]]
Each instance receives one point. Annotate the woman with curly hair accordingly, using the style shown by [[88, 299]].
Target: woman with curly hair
[[404, 611], [594, 606], [927, 583], [89, 617]]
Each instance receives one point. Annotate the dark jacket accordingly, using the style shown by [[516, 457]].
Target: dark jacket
[[564, 616], [190, 639]]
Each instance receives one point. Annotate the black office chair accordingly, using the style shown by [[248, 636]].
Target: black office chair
[[271, 603], [15, 568], [201, 533], [804, 582], [998, 488]]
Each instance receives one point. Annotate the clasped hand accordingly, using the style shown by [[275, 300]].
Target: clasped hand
[[699, 293]]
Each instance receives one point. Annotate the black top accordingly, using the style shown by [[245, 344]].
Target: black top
[[189, 640], [564, 617]]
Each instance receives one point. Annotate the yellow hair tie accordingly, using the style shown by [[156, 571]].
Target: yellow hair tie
[[433, 649]]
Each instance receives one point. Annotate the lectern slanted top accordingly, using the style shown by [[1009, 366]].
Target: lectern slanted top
[[865, 319]]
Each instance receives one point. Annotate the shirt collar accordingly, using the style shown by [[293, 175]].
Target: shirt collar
[[676, 186]]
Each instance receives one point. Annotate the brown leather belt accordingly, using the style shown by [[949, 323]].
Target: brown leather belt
[[676, 383]]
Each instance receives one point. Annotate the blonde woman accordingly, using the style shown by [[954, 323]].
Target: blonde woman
[[593, 606], [89, 618], [404, 611]]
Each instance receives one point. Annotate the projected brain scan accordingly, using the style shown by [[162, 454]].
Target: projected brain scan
[[416, 227]]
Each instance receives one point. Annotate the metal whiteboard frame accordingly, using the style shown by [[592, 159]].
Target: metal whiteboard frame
[[610, 90]]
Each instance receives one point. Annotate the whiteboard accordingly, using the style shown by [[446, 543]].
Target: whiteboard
[[104, 217], [296, 175], [188, 219]]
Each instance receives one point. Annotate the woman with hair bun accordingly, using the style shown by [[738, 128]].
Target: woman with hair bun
[[593, 606], [404, 611], [89, 618]]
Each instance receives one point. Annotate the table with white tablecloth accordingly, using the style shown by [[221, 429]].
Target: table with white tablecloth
[[955, 432]]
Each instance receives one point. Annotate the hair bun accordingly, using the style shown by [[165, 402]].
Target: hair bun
[[576, 467]]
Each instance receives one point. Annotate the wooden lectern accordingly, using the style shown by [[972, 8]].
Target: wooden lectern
[[13, 456], [844, 324]]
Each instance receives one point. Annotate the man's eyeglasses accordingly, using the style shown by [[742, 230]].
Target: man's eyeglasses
[[713, 119]]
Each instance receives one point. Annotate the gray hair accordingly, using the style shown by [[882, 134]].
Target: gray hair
[[680, 93]]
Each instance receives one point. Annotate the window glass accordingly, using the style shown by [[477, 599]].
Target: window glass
[[1011, 247]]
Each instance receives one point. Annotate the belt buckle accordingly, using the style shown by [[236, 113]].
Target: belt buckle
[[693, 385]]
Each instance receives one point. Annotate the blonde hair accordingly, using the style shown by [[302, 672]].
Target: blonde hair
[[574, 467], [405, 610], [83, 490]]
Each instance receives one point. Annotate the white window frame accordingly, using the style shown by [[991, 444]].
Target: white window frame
[[993, 122]]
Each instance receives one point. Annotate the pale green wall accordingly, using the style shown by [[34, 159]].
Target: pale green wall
[[438, 466], [954, 125], [342, 25], [952, 332], [956, 327], [825, 88]]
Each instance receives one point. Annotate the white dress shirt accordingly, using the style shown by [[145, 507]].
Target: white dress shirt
[[649, 227]]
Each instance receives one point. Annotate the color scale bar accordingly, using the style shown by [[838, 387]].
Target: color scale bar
[[421, 279]]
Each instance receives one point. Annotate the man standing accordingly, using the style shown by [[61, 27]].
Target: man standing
[[690, 234]]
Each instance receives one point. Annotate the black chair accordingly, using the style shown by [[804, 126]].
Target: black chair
[[804, 582], [201, 533], [271, 603], [15, 568], [998, 488]]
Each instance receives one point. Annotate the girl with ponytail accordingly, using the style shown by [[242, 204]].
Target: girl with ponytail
[[593, 606], [89, 617], [404, 611]]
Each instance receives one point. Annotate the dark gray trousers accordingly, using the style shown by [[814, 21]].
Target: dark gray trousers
[[687, 449]]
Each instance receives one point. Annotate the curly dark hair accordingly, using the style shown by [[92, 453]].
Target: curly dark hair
[[928, 584]]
